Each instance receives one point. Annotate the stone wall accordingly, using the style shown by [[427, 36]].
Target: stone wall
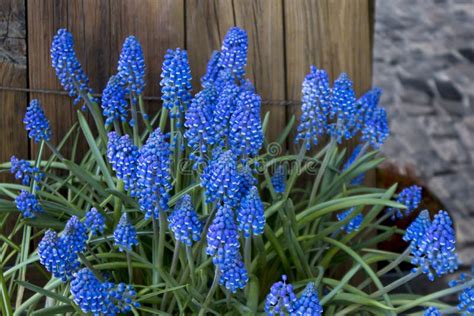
[[424, 62], [12, 32]]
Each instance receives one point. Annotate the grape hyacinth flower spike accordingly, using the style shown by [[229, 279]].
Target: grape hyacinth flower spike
[[95, 222], [24, 171], [36, 123], [250, 214], [411, 198], [131, 68], [279, 180], [233, 54], [436, 252], [55, 255], [184, 222], [123, 155], [125, 234], [432, 311], [234, 276], [221, 179], [154, 178], [466, 302], [354, 223], [415, 233], [308, 303], [281, 300], [176, 82], [114, 103], [67, 67], [28, 204], [75, 234]]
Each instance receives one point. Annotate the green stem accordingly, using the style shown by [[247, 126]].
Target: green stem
[[213, 289], [118, 203], [321, 172], [155, 275], [163, 118], [248, 253], [130, 268], [189, 256], [144, 114], [136, 135], [161, 241], [174, 261], [6, 304], [407, 278]]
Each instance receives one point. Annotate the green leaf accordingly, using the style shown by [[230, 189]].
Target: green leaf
[[42, 291], [54, 310]]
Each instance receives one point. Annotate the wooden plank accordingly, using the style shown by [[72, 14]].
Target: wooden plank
[[45, 17], [207, 23], [333, 35], [13, 73], [157, 24]]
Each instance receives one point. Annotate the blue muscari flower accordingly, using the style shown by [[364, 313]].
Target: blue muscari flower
[[279, 179], [247, 180], [224, 107], [95, 222], [360, 178], [184, 222], [154, 179], [436, 252], [36, 123], [101, 298], [24, 171], [342, 112], [411, 198], [199, 123], [131, 68], [67, 67], [417, 230], [466, 301], [316, 105], [354, 223], [114, 102], [246, 136], [222, 236], [375, 130], [308, 303], [234, 52], [212, 71], [123, 155], [28, 204], [125, 234], [281, 300], [176, 81], [250, 214], [221, 179], [75, 234], [432, 311], [56, 256], [234, 276]]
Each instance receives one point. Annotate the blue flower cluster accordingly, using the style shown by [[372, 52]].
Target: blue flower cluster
[[125, 234], [221, 178], [101, 298], [95, 222], [36, 123], [246, 137], [176, 82], [336, 112], [308, 303], [223, 245], [24, 171], [131, 68], [354, 223], [28, 204], [59, 254], [123, 155], [153, 172], [417, 230], [56, 256], [67, 67], [358, 180], [250, 214], [435, 253], [411, 198], [234, 52], [281, 299], [432, 311], [226, 113], [184, 222], [114, 102], [466, 302], [279, 179]]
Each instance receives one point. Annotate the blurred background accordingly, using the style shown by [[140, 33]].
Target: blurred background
[[421, 53]]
